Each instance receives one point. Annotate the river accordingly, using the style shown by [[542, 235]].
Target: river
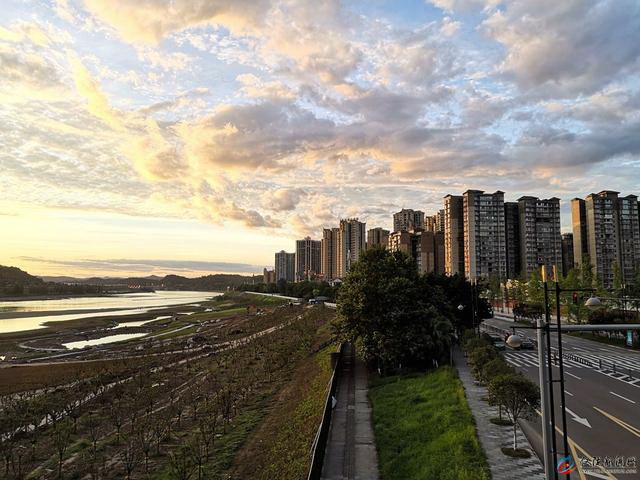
[[17, 316]]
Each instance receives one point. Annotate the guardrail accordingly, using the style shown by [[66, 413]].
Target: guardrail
[[320, 442]]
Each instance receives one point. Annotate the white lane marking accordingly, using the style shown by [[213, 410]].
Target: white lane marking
[[620, 396], [574, 376], [578, 418], [568, 393]]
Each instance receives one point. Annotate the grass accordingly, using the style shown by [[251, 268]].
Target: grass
[[424, 428], [279, 449]]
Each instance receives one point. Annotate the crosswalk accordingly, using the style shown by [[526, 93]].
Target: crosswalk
[[619, 367], [530, 359], [606, 361]]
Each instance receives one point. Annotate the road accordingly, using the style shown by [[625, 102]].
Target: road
[[603, 405]]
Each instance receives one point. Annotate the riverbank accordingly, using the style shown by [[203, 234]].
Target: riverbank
[[62, 296]]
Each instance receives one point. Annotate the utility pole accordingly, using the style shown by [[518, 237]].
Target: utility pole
[[545, 401], [542, 333]]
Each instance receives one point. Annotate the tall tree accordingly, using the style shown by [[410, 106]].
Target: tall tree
[[395, 314]]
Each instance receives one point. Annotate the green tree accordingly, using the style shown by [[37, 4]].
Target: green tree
[[398, 318], [518, 396], [535, 291], [587, 277]]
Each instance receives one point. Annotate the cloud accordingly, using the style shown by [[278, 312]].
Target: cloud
[[283, 199], [97, 102], [23, 31], [28, 76], [149, 265], [149, 21], [567, 48], [242, 138]]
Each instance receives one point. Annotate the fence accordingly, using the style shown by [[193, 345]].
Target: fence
[[320, 442]]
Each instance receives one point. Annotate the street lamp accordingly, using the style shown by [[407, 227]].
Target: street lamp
[[514, 341], [593, 303]]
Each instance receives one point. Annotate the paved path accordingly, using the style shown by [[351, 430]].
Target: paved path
[[351, 452], [494, 437]]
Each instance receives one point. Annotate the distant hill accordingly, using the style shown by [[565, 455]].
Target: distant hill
[[14, 281], [13, 275], [172, 282]]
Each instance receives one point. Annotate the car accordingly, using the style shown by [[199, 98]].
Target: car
[[498, 342], [527, 344]]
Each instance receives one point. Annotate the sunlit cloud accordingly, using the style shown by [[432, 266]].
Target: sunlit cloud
[[281, 116]]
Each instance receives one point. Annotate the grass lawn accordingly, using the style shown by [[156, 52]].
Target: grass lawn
[[424, 428]]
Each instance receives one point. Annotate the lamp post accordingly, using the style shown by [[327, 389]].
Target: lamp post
[[546, 381], [591, 303]]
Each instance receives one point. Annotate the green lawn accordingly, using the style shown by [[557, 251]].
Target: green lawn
[[424, 428]]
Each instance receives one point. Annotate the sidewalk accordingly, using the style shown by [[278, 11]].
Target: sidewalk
[[494, 437], [351, 451]]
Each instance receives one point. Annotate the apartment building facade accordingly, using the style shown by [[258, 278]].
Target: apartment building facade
[[307, 259], [351, 242], [408, 219], [484, 235], [285, 266], [454, 234], [540, 237], [377, 237]]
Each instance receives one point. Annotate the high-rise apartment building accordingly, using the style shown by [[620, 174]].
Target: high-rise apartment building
[[285, 266], [307, 259], [351, 241], [629, 226], [579, 227], [435, 223], [424, 247], [400, 241], [454, 234], [484, 235], [329, 253], [540, 239], [512, 233], [567, 253], [407, 219], [608, 228], [377, 236]]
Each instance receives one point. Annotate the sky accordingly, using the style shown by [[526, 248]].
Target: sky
[[201, 136]]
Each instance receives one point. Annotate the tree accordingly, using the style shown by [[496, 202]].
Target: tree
[[492, 369], [479, 357], [61, 439], [395, 314], [181, 463], [517, 395], [535, 292]]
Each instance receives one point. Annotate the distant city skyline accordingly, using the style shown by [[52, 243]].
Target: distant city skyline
[[201, 137]]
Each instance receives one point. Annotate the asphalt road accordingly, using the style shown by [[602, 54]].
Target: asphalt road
[[603, 406]]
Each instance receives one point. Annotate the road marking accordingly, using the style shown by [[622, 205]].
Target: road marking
[[620, 396], [568, 393], [578, 418], [574, 376], [623, 424], [573, 446]]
